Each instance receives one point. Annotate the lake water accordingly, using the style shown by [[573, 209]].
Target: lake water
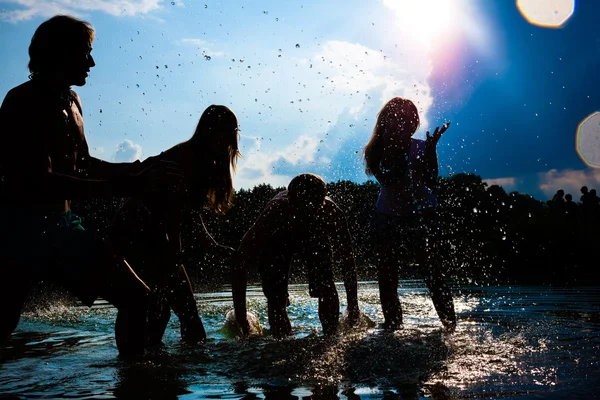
[[518, 342]]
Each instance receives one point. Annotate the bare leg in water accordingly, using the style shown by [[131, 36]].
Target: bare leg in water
[[438, 288], [329, 311], [178, 295], [388, 285]]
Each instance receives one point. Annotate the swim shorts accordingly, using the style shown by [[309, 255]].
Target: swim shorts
[[275, 262]]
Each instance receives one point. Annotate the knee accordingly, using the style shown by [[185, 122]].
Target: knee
[[278, 304]]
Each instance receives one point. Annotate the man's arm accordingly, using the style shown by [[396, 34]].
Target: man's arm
[[27, 167], [344, 256]]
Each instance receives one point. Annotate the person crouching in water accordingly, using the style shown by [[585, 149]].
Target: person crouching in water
[[301, 221]]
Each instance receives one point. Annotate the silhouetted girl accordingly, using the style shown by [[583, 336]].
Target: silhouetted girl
[[148, 228], [404, 221]]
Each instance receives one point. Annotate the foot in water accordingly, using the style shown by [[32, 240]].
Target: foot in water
[[392, 325]]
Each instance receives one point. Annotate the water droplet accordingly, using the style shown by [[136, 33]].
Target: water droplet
[[172, 3], [297, 45], [207, 58]]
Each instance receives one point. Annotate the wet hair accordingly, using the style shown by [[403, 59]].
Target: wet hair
[[307, 190], [399, 116], [218, 133], [60, 36]]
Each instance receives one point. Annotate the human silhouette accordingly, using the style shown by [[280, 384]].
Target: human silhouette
[[584, 194], [570, 206], [44, 163], [148, 228], [405, 222], [558, 201], [302, 221]]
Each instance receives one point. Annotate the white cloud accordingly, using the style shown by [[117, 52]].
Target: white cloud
[[28, 9], [277, 168], [329, 98], [569, 180], [206, 47], [508, 184], [127, 151]]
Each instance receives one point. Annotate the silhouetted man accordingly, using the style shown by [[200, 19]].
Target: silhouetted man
[[45, 162], [301, 221]]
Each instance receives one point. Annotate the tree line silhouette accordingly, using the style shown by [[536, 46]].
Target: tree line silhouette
[[490, 236]]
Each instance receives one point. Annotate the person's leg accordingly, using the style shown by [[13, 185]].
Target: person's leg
[[14, 287], [329, 310], [159, 314], [428, 257], [180, 296], [440, 293], [387, 277], [89, 267], [318, 260], [279, 321], [274, 271], [129, 294]]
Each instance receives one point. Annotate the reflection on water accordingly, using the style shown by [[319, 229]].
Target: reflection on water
[[511, 342]]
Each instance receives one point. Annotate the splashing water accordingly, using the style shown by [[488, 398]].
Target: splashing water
[[517, 342]]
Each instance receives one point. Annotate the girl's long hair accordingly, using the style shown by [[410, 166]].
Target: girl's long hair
[[216, 137], [400, 117]]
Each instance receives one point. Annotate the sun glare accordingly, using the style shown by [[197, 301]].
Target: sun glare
[[547, 13], [588, 140], [426, 19]]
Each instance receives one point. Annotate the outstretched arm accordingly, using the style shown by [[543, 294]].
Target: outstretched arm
[[27, 169], [207, 241], [431, 159]]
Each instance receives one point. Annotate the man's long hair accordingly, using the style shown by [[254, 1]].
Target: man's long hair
[[54, 39]]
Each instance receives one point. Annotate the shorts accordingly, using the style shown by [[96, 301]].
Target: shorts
[[52, 248], [275, 262], [407, 233], [142, 241]]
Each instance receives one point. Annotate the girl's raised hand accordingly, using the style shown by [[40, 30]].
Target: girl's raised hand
[[437, 133]]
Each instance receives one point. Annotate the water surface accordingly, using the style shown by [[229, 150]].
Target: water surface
[[519, 342]]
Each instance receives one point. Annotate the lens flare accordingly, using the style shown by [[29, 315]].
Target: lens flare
[[547, 13], [588, 140]]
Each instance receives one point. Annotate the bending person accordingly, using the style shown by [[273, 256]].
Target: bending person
[[148, 228], [405, 218], [45, 162], [301, 221]]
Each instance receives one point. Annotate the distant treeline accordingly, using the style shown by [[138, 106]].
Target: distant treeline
[[490, 236]]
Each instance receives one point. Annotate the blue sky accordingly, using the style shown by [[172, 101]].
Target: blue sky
[[306, 80]]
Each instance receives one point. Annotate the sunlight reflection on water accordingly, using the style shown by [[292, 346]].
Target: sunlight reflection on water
[[517, 342]]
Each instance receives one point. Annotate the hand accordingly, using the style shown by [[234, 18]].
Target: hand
[[160, 175], [354, 316], [245, 326], [432, 140]]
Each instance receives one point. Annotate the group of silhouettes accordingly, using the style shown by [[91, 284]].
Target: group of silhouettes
[[587, 209], [45, 163]]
